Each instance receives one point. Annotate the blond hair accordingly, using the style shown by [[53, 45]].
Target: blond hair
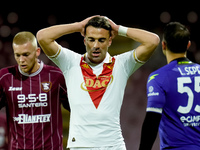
[[24, 37]]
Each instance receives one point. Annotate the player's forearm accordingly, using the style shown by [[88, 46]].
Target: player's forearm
[[149, 130], [54, 32], [144, 37], [149, 41], [46, 37]]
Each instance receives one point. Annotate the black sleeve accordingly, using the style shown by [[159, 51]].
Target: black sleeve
[[2, 99], [149, 130]]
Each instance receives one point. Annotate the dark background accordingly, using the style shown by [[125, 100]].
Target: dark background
[[152, 16]]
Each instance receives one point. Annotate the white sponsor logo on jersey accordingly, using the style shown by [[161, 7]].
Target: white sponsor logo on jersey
[[190, 120], [151, 92], [15, 88], [25, 118]]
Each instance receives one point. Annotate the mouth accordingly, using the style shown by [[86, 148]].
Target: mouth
[[23, 66], [96, 53]]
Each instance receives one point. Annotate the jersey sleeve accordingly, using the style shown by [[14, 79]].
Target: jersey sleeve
[[64, 58], [63, 94], [129, 62], [155, 94], [149, 130]]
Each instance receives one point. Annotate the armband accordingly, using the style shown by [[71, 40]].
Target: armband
[[122, 31]]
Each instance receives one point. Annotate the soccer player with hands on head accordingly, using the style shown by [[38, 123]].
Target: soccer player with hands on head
[[32, 93], [95, 80]]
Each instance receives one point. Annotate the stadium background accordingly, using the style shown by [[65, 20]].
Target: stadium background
[[152, 16]]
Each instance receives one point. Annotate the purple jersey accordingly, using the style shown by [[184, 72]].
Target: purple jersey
[[174, 91], [33, 107]]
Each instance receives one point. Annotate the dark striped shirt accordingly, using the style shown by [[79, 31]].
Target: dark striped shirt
[[33, 107]]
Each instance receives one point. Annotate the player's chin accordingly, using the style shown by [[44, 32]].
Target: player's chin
[[25, 70], [97, 60]]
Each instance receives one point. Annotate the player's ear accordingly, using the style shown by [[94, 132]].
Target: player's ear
[[110, 41], [164, 45], [38, 50], [84, 40], [189, 44]]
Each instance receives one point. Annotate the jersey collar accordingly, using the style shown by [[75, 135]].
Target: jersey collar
[[182, 59], [108, 59], [35, 73]]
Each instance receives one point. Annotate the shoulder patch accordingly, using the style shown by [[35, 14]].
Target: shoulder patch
[[152, 77]]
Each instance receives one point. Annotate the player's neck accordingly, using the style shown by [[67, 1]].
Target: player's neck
[[172, 56], [35, 67]]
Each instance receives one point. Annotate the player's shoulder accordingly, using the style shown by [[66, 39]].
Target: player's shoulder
[[159, 74], [52, 69], [11, 70], [162, 74]]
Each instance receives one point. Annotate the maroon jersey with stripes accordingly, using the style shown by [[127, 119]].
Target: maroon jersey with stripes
[[33, 107], [3, 132]]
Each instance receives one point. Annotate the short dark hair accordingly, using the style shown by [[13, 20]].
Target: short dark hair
[[99, 22], [176, 37]]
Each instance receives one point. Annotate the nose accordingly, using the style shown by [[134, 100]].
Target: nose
[[21, 58], [96, 44]]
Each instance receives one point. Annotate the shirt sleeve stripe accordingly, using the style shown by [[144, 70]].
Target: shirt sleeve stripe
[[153, 109], [135, 57], [58, 52]]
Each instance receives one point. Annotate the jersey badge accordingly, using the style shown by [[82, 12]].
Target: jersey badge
[[46, 86], [86, 66]]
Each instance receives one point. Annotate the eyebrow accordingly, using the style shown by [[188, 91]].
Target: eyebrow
[[96, 38], [22, 53]]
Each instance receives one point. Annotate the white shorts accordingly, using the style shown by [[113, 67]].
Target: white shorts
[[116, 147]]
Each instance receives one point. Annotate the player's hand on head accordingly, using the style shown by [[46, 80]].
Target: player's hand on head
[[84, 22], [114, 26]]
